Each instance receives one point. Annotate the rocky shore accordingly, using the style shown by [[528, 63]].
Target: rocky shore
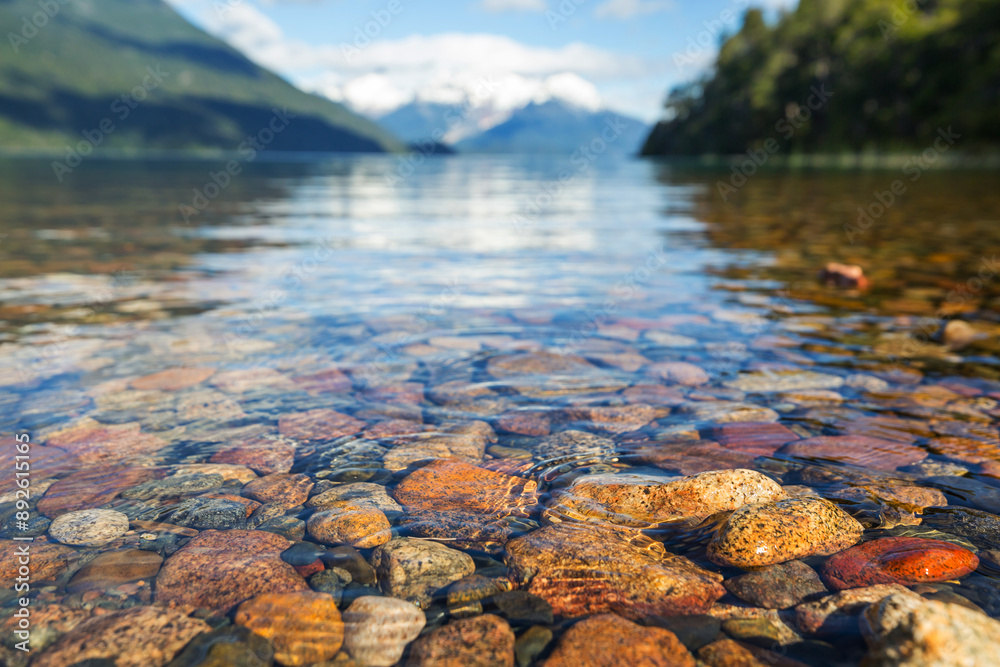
[[551, 514]]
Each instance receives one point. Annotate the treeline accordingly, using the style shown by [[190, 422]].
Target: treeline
[[892, 73]]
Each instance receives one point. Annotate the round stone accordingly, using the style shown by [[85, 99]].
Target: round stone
[[89, 528]]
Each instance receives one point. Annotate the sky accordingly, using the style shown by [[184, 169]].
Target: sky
[[377, 55]]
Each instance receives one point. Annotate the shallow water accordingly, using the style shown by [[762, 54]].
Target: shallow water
[[476, 289]]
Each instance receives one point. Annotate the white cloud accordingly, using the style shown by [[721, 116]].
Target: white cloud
[[626, 9], [514, 5], [449, 68]]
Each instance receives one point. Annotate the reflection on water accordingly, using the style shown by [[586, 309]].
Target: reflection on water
[[332, 323]]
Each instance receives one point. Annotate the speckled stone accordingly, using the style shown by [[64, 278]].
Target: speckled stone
[[782, 381], [177, 486], [608, 640], [837, 614], [377, 629], [906, 631], [777, 586], [728, 653], [263, 455], [679, 372], [281, 488], [319, 424], [645, 501], [304, 626], [219, 569], [583, 569], [726, 412], [897, 560], [137, 637], [757, 438], [361, 526], [88, 528], [483, 641], [359, 493], [47, 560], [414, 569], [768, 533], [456, 440], [611, 419]]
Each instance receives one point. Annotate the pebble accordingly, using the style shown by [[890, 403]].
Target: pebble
[[350, 560], [582, 569], [724, 412], [47, 560], [209, 513], [136, 637], [88, 528], [608, 640], [906, 631], [523, 608], [303, 626], [331, 583], [281, 488], [230, 472], [265, 456], [693, 630], [857, 450], [645, 501], [837, 614], [679, 372], [319, 424], [897, 560], [361, 526], [173, 379], [377, 629], [456, 440], [777, 586], [757, 438], [414, 569], [359, 493], [572, 444], [868, 383], [981, 528], [525, 422], [784, 381], [114, 568], [219, 569], [92, 487], [729, 653], [483, 641], [92, 443], [177, 486], [530, 644], [228, 646], [768, 533], [612, 419]]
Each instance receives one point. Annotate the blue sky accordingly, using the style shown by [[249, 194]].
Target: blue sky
[[378, 54]]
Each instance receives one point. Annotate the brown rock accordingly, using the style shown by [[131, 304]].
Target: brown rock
[[319, 424], [451, 485], [757, 438], [647, 501], [483, 641], [46, 560], [679, 372], [525, 422], [857, 450], [93, 443], [240, 381], [411, 393], [465, 440], [608, 640], [330, 381], [654, 394], [768, 533], [777, 586], [92, 487], [728, 653], [838, 613], [48, 623], [282, 488], [612, 419], [137, 637], [173, 379], [303, 626], [219, 569], [689, 458], [113, 568], [849, 276], [583, 569], [265, 455], [360, 526]]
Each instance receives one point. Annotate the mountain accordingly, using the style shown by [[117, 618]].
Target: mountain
[[557, 127], [837, 76], [133, 74], [554, 126]]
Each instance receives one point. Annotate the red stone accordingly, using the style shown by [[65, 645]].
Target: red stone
[[264, 455], [310, 569], [690, 457], [331, 381], [897, 560], [525, 422], [93, 443], [653, 394], [856, 450], [173, 379], [92, 487], [759, 439], [320, 424], [411, 393]]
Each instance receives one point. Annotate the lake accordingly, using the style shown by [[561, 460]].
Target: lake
[[511, 358]]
